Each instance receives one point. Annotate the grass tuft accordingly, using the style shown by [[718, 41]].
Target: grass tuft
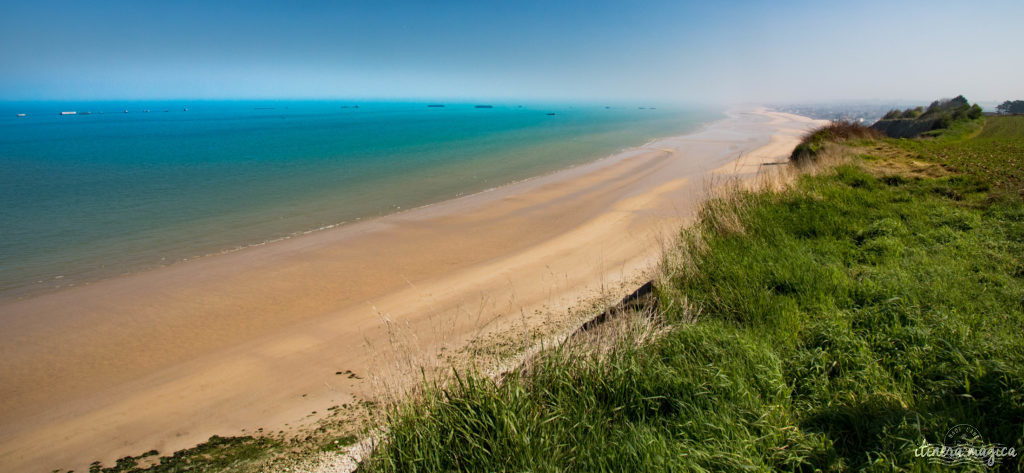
[[814, 143]]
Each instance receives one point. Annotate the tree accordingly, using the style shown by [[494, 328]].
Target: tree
[[1015, 106], [974, 112]]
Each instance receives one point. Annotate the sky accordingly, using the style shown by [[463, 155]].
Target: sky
[[671, 51]]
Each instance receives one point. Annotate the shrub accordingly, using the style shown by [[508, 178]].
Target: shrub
[[975, 112], [837, 131], [912, 112], [942, 122]]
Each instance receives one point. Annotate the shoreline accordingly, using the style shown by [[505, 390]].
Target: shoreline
[[30, 293], [252, 338], [71, 262]]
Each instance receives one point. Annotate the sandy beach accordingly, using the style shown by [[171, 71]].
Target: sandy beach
[[231, 343]]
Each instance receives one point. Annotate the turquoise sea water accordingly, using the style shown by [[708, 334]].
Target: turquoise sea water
[[90, 196]]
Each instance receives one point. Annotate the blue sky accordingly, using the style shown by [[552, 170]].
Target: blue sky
[[677, 51]]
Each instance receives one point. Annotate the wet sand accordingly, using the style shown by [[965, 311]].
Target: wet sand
[[229, 343]]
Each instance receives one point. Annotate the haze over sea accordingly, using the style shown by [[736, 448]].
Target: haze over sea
[[88, 197]]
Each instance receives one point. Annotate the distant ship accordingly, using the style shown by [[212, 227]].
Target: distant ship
[[145, 111], [551, 113], [85, 113], [436, 105], [485, 106], [184, 109], [126, 111], [69, 113], [22, 115]]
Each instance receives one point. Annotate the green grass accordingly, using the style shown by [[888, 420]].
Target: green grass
[[896, 306], [994, 153], [842, 323], [1009, 127]]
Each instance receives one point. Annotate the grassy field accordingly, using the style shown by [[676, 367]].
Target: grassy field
[[993, 152], [837, 325]]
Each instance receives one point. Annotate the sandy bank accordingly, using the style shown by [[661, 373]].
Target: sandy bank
[[166, 358]]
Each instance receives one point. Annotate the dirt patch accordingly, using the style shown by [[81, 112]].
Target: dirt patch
[[882, 159]]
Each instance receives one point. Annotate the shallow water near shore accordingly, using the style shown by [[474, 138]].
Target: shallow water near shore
[[91, 196]]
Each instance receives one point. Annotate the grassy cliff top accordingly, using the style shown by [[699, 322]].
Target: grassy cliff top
[[843, 323]]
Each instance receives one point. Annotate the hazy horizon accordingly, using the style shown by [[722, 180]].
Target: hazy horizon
[[663, 51]]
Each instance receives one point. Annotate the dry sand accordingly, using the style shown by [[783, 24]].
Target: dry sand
[[229, 343]]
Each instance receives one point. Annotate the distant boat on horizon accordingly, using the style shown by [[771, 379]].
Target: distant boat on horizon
[[184, 109], [485, 106], [69, 113], [551, 113], [435, 105], [22, 115], [85, 113]]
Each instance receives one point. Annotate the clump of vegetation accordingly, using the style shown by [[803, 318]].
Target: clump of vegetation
[[838, 131], [1011, 107], [955, 108], [909, 113], [216, 454], [940, 115], [264, 452], [852, 318]]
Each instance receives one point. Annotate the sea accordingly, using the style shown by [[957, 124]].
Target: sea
[[122, 187]]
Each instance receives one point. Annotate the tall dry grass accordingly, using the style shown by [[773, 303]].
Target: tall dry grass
[[835, 133]]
